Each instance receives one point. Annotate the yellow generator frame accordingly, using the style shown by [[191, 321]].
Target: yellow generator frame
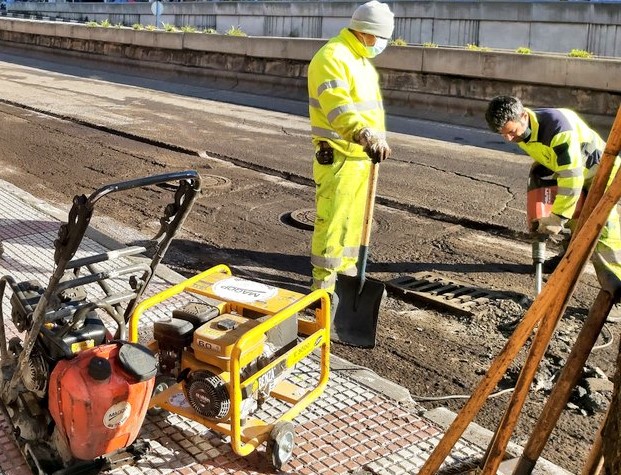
[[246, 436]]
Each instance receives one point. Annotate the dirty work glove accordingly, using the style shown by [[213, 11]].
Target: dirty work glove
[[551, 225], [374, 145]]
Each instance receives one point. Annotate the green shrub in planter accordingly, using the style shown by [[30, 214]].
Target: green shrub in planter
[[235, 31], [579, 53], [398, 42]]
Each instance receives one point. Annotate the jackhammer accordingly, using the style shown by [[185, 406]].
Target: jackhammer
[[541, 191]]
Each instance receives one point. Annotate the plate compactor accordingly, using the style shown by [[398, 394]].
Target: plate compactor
[[541, 192], [229, 350], [75, 389]]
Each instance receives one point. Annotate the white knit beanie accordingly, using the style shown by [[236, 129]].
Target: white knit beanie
[[374, 18]]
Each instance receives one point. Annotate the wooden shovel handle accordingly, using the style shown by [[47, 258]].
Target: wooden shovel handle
[[369, 205]]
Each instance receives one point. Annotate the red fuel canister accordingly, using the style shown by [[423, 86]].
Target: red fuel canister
[[99, 399]]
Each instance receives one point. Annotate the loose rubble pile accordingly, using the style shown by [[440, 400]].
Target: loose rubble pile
[[594, 390]]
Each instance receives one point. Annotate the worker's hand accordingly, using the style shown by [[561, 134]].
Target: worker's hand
[[550, 225], [374, 146]]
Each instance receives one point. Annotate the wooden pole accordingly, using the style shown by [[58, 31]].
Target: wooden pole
[[555, 293], [558, 289], [498, 445], [595, 460], [568, 379]]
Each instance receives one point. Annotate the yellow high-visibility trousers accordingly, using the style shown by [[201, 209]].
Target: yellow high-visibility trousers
[[340, 198]]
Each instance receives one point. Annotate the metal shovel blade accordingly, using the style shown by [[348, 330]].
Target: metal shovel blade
[[357, 311]]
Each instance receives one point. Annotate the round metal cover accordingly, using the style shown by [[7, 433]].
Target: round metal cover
[[301, 218], [214, 181]]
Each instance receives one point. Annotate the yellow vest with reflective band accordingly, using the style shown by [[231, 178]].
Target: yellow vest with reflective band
[[344, 94], [562, 142]]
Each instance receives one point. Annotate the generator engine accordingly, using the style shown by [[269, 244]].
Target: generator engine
[[195, 349]]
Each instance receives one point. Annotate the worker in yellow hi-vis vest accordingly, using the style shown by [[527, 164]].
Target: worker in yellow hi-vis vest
[[563, 143], [348, 132]]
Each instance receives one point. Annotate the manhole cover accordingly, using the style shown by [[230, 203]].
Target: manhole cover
[[447, 293], [301, 218], [214, 181]]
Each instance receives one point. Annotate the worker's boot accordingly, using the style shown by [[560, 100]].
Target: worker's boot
[[550, 265]]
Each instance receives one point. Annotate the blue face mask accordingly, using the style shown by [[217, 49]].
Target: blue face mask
[[378, 47]]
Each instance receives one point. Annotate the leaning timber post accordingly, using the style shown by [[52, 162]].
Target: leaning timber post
[[550, 302], [554, 296], [568, 379], [611, 433], [595, 461], [604, 302]]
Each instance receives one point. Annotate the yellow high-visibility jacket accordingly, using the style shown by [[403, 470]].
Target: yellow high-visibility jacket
[[344, 94], [562, 142]]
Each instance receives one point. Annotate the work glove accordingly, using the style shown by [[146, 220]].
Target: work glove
[[374, 146], [550, 225]]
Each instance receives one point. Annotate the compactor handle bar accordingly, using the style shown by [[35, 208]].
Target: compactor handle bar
[[72, 232]]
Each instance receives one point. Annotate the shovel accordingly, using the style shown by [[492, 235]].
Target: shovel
[[358, 299]]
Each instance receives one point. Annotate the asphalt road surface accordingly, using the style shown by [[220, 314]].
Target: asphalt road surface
[[451, 201]]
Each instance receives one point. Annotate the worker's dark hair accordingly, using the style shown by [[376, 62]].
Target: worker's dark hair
[[501, 110]]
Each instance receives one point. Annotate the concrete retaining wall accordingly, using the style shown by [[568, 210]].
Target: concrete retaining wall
[[438, 83], [541, 26]]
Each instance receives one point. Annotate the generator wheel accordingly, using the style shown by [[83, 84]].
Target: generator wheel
[[280, 444], [162, 383]]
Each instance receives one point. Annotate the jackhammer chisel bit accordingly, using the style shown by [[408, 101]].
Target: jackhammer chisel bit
[[539, 257]]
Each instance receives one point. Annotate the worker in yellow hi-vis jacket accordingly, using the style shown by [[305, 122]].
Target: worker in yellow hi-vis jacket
[[562, 142], [348, 132]]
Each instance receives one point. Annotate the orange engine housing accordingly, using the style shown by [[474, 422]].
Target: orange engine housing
[[99, 398]]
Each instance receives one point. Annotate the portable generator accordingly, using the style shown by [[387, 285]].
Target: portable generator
[[540, 194], [221, 359], [76, 393]]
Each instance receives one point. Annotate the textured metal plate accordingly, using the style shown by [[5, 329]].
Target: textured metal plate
[[441, 291]]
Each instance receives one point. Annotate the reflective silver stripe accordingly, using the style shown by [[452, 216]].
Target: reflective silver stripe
[[327, 133], [569, 191], [325, 284], [325, 262], [369, 105], [314, 103], [351, 251], [334, 83], [334, 113], [357, 106], [572, 172]]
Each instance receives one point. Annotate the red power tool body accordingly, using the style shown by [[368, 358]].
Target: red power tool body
[[541, 192]]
